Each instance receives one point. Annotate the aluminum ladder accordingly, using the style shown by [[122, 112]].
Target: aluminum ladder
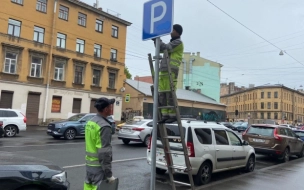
[[163, 132]]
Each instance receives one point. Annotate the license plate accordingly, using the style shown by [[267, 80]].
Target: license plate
[[49, 130], [125, 130], [258, 140]]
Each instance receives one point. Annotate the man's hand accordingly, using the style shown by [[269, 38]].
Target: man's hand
[[111, 179], [154, 39]]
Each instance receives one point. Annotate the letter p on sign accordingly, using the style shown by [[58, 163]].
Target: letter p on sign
[[155, 19]]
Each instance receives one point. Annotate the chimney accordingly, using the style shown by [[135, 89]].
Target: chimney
[[100, 8], [198, 54]]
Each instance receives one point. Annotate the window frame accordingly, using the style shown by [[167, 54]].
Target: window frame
[[269, 105], [109, 78], [42, 4], [114, 31], [112, 53], [73, 108], [276, 105], [216, 136], [268, 94], [82, 19], [59, 69], [79, 45], [276, 94], [96, 50], [10, 64], [262, 95], [63, 12], [14, 26], [60, 40], [38, 34], [40, 72], [234, 135], [19, 2], [78, 75], [268, 115], [98, 81], [99, 25], [209, 130], [56, 97]]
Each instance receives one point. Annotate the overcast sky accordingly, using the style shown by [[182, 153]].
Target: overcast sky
[[247, 58]]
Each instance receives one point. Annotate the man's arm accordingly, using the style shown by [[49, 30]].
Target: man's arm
[[170, 46], [105, 152]]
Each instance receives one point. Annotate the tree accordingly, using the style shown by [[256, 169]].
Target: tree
[[127, 73]]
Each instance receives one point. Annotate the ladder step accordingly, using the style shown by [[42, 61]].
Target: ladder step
[[178, 167], [182, 183], [172, 137], [169, 152], [166, 107]]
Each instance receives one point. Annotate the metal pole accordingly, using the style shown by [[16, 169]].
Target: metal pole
[[155, 116]]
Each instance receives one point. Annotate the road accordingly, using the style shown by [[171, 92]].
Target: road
[[129, 161]]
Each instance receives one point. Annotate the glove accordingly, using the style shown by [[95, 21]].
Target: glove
[[111, 179]]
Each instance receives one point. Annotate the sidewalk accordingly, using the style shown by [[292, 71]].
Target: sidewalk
[[282, 176]]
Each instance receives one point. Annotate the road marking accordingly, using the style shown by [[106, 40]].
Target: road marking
[[115, 161]]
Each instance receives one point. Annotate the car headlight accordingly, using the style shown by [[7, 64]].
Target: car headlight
[[60, 178]]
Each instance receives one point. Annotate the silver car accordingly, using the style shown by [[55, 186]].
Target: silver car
[[138, 131]]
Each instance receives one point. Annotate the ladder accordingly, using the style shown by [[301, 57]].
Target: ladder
[[163, 132]]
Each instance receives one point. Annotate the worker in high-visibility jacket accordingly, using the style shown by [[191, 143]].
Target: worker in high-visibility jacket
[[175, 50], [98, 135]]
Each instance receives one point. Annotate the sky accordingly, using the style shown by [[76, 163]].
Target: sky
[[247, 45]]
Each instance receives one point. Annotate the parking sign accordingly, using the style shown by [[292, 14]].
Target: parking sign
[[157, 18]]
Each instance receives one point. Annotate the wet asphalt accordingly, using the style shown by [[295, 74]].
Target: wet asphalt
[[130, 166]]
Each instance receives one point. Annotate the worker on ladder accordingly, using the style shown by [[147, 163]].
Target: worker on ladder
[[175, 50]]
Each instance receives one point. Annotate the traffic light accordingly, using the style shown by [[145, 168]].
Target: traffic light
[[236, 112]]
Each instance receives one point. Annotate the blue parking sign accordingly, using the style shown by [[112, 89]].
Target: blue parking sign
[[157, 19]]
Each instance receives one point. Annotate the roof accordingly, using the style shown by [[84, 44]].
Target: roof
[[181, 94]]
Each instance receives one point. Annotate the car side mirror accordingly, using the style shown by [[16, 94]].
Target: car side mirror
[[245, 143], [298, 136]]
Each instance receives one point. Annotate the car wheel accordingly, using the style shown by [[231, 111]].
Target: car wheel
[[301, 154], [147, 141], [10, 131], [125, 141], [250, 164], [56, 137], [285, 157], [70, 134], [204, 174], [160, 171]]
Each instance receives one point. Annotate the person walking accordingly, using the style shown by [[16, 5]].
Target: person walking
[[98, 136], [175, 50]]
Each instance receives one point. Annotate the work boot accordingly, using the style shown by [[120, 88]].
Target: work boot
[[171, 120], [163, 119]]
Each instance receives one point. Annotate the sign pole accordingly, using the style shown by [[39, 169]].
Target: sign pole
[[155, 114]]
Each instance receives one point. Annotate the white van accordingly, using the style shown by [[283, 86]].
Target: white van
[[212, 148]]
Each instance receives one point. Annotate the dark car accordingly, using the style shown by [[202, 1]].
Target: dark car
[[1, 129], [227, 124], [300, 133], [72, 127], [29, 173]]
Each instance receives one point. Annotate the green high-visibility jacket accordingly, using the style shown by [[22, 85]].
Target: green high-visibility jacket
[[98, 134]]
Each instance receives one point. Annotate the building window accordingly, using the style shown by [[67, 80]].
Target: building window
[[61, 40], [268, 94], [10, 62], [276, 95], [113, 54], [97, 50], [269, 105], [112, 76], [56, 104], [18, 1], [268, 115], [38, 34], [59, 71], [41, 5], [82, 19], [14, 27], [76, 105], [262, 94], [36, 67], [262, 115], [80, 46], [262, 105], [115, 31], [96, 77], [276, 106], [78, 74], [98, 26], [63, 12]]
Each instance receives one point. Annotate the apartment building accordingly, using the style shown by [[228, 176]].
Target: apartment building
[[58, 57], [276, 102]]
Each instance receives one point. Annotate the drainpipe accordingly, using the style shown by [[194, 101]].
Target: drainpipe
[[50, 64]]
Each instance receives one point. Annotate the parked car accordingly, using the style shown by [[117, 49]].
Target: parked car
[[73, 126], [234, 125], [227, 124], [242, 127], [274, 140], [138, 131], [288, 125], [13, 122], [300, 133], [1, 129], [135, 118], [29, 173], [211, 147]]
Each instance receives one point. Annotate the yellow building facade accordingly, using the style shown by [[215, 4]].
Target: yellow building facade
[[58, 56], [275, 102]]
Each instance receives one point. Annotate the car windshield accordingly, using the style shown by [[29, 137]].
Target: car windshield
[[244, 124], [260, 130], [76, 117], [238, 123], [300, 133]]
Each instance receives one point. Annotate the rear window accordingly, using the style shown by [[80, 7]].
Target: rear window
[[204, 136], [260, 130], [172, 130], [5, 113]]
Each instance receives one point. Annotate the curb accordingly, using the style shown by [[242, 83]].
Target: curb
[[247, 174]]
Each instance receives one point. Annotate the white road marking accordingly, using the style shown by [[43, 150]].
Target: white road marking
[[115, 161]]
